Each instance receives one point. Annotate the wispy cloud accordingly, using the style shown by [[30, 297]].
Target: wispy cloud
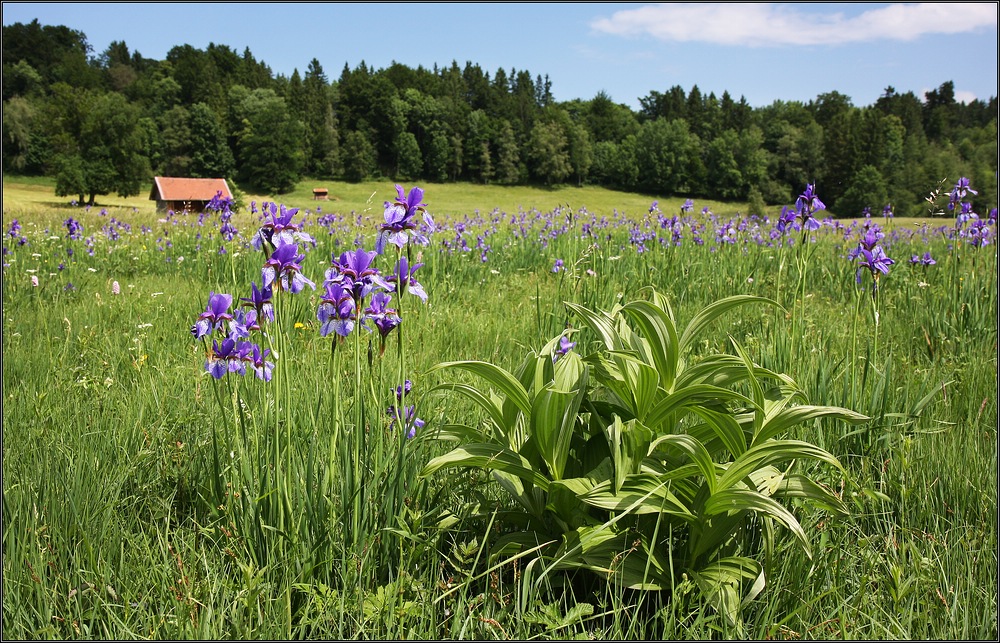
[[772, 24]]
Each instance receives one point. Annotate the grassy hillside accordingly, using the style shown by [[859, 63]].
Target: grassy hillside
[[37, 194]]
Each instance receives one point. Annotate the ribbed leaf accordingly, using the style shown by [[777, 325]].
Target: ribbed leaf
[[755, 388], [483, 400], [694, 450], [725, 370], [659, 331], [798, 486], [688, 396], [629, 444], [771, 452], [638, 384], [746, 500], [455, 433], [711, 312], [640, 493], [600, 323], [487, 456], [496, 377], [728, 430], [553, 420], [789, 417], [719, 581]]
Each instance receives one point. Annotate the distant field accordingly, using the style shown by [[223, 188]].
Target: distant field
[[446, 199]]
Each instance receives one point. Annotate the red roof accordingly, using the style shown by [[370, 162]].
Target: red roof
[[166, 188]]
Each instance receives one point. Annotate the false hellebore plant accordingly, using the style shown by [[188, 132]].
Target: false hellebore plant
[[638, 464]]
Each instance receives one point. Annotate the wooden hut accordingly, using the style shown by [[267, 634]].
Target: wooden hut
[[179, 194]]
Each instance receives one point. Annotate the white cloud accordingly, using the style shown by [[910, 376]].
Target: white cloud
[[964, 96], [772, 24]]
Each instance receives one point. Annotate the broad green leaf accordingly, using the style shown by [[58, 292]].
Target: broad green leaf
[[455, 433], [629, 444], [602, 324], [553, 420], [798, 486], [496, 377], [725, 370], [711, 312], [756, 389], [618, 460], [483, 400], [659, 331], [747, 500], [632, 380], [694, 450], [725, 426], [640, 493], [576, 486], [688, 396], [769, 453], [719, 581], [603, 550], [789, 417], [530, 498], [489, 457]]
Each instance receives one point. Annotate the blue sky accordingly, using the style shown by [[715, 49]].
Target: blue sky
[[763, 51]]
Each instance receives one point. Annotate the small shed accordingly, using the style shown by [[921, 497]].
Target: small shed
[[320, 194], [180, 194]]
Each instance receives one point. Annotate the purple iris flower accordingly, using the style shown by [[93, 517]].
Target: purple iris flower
[[409, 411], [926, 260], [960, 191], [74, 229], [688, 206], [403, 281], [558, 266], [565, 346], [400, 220], [978, 234], [242, 323], [404, 390], [385, 318], [280, 229], [355, 271], [871, 238], [262, 368], [218, 363], [215, 315], [786, 220], [808, 202], [410, 420], [284, 268], [336, 310], [219, 203], [966, 215], [260, 300], [875, 261]]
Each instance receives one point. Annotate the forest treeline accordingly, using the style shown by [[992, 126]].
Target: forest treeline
[[106, 123]]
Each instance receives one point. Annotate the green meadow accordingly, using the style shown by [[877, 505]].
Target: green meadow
[[144, 497]]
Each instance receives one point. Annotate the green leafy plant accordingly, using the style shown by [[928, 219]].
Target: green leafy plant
[[639, 462]]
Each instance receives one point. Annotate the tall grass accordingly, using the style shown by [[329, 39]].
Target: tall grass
[[113, 525]]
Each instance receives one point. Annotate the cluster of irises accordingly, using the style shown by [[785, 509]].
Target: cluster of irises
[[976, 230], [232, 351], [355, 292]]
